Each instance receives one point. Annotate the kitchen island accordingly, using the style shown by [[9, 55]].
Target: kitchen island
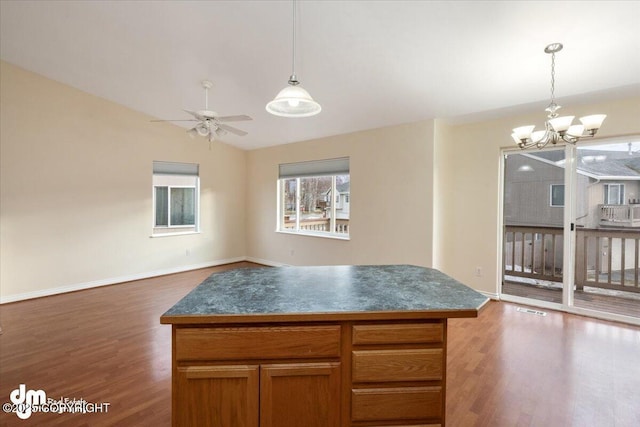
[[315, 346]]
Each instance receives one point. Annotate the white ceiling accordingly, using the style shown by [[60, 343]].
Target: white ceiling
[[368, 63]]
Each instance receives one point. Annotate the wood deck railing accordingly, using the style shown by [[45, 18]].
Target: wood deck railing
[[608, 259], [320, 224], [620, 215], [605, 258], [533, 252]]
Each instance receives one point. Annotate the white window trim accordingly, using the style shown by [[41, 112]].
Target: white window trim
[[323, 234], [177, 233]]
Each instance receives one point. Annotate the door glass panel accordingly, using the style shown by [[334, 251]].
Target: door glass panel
[[533, 225], [608, 228]]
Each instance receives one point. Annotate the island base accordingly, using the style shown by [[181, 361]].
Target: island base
[[322, 374]]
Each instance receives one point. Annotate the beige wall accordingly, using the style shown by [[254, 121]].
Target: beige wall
[[470, 186], [75, 205], [391, 199]]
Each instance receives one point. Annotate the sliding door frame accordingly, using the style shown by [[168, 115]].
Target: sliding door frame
[[569, 238]]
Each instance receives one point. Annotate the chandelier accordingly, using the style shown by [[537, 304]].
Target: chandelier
[[557, 129], [293, 100]]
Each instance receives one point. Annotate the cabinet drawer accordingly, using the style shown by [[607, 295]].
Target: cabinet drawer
[[396, 403], [257, 343], [415, 425], [414, 333], [397, 365]]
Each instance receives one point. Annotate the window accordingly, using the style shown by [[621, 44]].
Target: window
[[175, 198], [180, 201], [309, 195], [614, 194], [557, 195]]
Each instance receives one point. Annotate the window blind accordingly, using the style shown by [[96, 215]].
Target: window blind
[[326, 167], [172, 168]]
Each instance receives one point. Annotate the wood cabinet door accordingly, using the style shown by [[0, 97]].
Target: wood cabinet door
[[300, 394], [217, 396]]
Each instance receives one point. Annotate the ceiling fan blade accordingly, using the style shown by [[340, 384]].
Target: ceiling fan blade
[[232, 130], [233, 118], [196, 115], [179, 120]]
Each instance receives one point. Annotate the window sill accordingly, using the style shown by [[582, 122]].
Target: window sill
[[311, 234], [177, 233]]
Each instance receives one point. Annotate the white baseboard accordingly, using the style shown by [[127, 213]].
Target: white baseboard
[[116, 280], [490, 295], [265, 262]]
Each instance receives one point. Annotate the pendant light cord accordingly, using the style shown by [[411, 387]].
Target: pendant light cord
[[293, 80]]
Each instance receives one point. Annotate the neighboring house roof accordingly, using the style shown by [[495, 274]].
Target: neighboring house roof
[[597, 163], [345, 187]]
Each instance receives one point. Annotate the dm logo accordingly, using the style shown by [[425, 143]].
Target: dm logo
[[25, 400]]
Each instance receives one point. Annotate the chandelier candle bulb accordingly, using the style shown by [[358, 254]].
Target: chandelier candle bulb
[[593, 122], [575, 130], [523, 132], [537, 136], [561, 124]]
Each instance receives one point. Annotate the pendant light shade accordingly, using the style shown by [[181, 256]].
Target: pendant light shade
[[293, 100]]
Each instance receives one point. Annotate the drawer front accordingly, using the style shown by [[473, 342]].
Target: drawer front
[[414, 425], [397, 365], [396, 403], [257, 343], [417, 333]]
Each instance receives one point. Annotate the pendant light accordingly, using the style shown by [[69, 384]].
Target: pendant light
[[293, 100]]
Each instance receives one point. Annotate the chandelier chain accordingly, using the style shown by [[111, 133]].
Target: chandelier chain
[[553, 77]]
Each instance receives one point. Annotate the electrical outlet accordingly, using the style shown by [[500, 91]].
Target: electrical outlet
[[479, 271], [187, 252]]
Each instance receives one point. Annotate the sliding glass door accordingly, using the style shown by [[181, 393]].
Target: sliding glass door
[[571, 228], [608, 228], [533, 212]]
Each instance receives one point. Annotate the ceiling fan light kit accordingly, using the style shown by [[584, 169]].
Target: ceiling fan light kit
[[557, 129], [293, 100]]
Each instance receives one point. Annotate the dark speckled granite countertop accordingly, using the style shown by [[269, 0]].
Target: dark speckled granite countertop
[[325, 293]]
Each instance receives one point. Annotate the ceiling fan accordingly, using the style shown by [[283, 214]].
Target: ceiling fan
[[209, 123]]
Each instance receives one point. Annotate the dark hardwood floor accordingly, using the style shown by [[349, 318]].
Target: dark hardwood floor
[[590, 299], [506, 368]]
